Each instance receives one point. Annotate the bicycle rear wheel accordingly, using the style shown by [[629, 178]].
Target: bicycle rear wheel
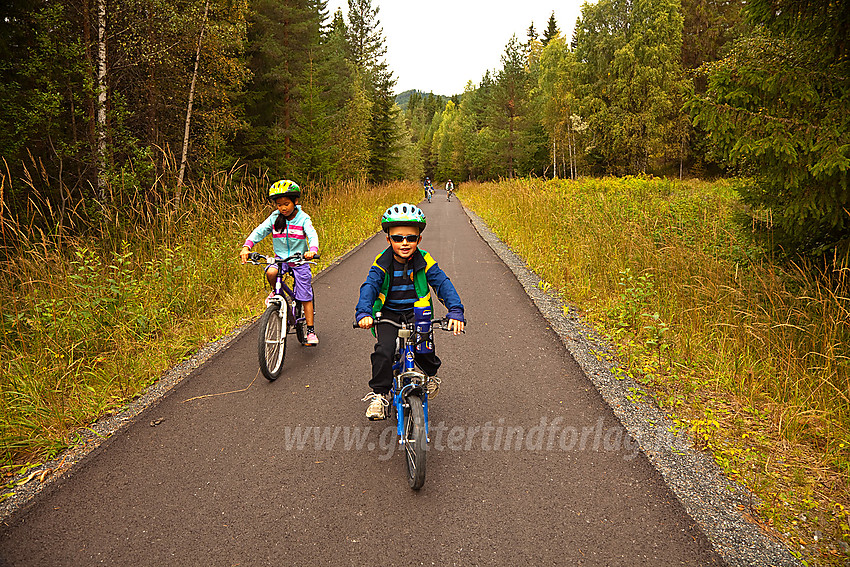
[[271, 346], [415, 442]]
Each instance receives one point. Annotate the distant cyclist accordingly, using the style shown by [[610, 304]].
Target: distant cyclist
[[429, 189], [450, 189]]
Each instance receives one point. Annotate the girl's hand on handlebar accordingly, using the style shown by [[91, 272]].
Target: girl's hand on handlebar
[[365, 323], [309, 255], [243, 254], [455, 326]]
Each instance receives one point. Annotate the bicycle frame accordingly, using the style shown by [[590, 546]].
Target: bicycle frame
[[281, 287], [407, 379], [282, 291]]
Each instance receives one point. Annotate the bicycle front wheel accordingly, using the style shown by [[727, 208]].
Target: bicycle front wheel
[[271, 346], [415, 442]]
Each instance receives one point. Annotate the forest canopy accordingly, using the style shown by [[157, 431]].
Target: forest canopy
[[102, 99]]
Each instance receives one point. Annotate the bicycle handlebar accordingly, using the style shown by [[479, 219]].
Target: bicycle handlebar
[[442, 323], [297, 259]]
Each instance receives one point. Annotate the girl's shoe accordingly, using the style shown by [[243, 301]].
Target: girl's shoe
[[269, 298], [311, 339]]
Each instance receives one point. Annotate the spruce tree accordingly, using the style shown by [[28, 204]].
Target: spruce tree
[[364, 34], [507, 111], [367, 51], [347, 103], [777, 107], [283, 34], [383, 135], [551, 30]]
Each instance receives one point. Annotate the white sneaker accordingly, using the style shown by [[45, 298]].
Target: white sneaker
[[377, 406], [432, 386]]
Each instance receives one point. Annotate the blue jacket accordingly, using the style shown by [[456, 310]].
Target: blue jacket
[[374, 289]]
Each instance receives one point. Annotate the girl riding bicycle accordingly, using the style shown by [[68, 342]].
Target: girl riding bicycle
[[292, 231]]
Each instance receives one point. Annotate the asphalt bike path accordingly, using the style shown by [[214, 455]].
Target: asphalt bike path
[[526, 466]]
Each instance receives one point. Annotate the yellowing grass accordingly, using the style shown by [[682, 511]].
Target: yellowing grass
[[752, 355], [89, 322]]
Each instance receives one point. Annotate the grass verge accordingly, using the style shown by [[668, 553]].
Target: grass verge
[[90, 321], [751, 356]]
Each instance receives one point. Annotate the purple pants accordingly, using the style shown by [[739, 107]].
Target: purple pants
[[303, 282]]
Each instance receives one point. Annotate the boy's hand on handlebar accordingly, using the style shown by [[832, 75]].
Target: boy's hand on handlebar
[[455, 326], [243, 254], [365, 323]]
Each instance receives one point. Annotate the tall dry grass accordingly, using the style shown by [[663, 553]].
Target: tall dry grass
[[94, 311], [725, 337]]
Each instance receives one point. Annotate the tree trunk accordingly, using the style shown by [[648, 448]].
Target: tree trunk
[[554, 154], [191, 99], [571, 143], [101, 100]]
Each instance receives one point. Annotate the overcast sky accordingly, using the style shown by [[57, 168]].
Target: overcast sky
[[439, 45]]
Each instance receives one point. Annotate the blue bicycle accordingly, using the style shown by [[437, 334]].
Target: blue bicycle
[[283, 315], [409, 393]]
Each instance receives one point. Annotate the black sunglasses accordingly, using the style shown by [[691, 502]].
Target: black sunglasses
[[402, 237]]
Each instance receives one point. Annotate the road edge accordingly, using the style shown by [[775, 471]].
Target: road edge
[[717, 504]]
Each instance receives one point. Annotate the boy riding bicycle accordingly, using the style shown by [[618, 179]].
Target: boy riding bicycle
[[399, 280], [292, 232]]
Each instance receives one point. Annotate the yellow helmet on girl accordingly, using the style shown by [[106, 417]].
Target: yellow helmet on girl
[[284, 188]]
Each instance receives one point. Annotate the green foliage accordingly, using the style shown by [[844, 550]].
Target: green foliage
[[508, 110], [775, 109], [312, 140], [44, 87], [382, 136], [638, 295], [709, 25], [48, 98], [825, 23], [282, 40], [629, 54]]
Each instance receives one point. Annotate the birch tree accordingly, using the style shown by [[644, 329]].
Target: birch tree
[[101, 100], [185, 151]]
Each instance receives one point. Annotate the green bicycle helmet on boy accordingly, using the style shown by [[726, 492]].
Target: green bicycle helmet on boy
[[403, 214], [284, 188]]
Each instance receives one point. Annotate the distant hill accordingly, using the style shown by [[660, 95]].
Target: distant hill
[[401, 99]]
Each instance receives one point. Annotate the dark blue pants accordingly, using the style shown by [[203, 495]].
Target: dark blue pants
[[384, 355]]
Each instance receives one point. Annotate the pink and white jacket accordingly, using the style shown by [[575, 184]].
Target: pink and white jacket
[[298, 236]]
